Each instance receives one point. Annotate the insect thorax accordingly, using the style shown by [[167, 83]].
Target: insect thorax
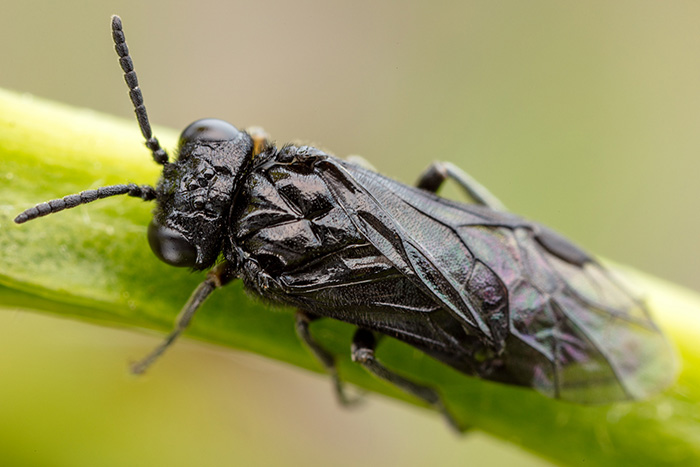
[[285, 214]]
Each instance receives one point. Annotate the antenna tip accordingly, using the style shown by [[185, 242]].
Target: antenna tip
[[116, 22]]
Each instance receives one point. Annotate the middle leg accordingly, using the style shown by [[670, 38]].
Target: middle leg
[[363, 346], [303, 319]]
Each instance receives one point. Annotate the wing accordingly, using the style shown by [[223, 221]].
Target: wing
[[431, 255], [554, 317]]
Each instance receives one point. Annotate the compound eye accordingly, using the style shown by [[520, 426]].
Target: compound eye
[[171, 246], [209, 129]]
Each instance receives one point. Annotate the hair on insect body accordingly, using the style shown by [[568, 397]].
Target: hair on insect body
[[480, 289]]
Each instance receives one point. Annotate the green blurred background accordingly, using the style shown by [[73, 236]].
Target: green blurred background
[[583, 116]]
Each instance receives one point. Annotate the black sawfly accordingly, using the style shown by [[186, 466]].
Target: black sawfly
[[477, 288]]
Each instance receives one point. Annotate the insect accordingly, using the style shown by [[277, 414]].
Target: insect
[[480, 289]]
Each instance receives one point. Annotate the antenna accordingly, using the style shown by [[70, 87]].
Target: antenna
[[145, 192], [159, 154]]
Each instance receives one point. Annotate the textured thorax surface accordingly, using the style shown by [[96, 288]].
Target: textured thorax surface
[[285, 216]]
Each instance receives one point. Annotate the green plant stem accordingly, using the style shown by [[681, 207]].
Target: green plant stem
[[93, 263]]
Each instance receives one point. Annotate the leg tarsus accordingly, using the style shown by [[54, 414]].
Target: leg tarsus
[[363, 346], [303, 319], [219, 276], [438, 172]]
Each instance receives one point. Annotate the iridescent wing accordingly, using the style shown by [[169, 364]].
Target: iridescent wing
[[555, 318]]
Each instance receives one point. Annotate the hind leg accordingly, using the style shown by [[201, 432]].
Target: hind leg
[[438, 172]]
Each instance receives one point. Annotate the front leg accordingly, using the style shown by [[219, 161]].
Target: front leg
[[217, 277]]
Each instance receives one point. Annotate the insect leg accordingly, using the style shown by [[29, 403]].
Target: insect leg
[[438, 172], [363, 345], [303, 319], [219, 276]]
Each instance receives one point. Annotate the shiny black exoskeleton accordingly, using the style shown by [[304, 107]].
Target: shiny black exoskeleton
[[480, 289], [196, 192]]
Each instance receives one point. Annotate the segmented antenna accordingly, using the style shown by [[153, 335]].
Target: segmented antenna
[[145, 192], [159, 154]]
